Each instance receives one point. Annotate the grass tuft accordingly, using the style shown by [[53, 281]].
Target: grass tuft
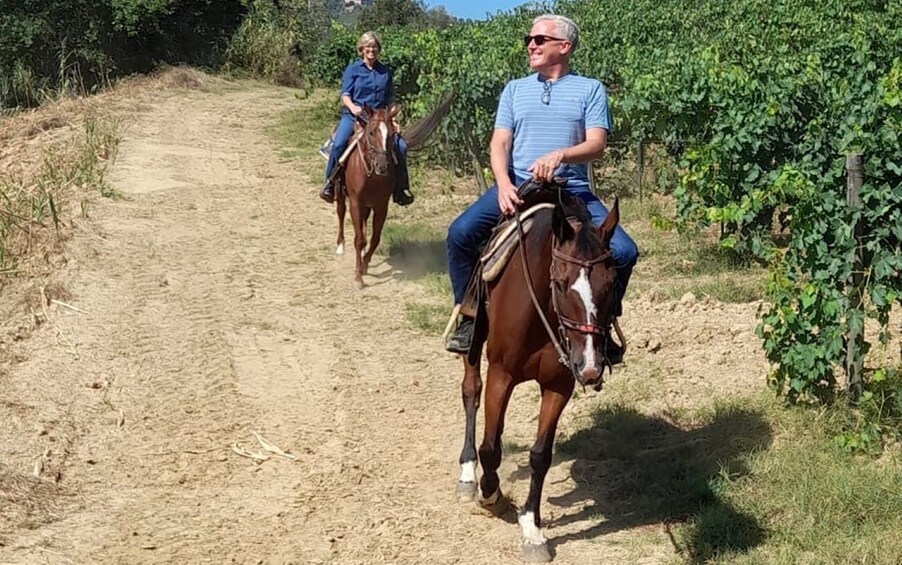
[[35, 198]]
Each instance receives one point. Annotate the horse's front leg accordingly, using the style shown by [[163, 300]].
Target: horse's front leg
[[358, 216], [341, 206], [379, 215], [554, 399], [499, 385], [471, 392]]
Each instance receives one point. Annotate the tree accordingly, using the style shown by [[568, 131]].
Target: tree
[[413, 14]]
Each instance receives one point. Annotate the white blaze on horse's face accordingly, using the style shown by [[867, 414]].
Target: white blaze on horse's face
[[583, 288], [383, 131]]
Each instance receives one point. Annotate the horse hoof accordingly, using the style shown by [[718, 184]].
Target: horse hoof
[[360, 284], [495, 506], [340, 249], [536, 553], [466, 491]]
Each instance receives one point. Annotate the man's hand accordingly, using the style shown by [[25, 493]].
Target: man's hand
[[507, 197], [544, 167], [355, 110]]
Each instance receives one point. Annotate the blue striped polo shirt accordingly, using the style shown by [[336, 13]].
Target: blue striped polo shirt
[[574, 104]]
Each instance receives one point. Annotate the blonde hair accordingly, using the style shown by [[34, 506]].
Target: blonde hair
[[366, 39]]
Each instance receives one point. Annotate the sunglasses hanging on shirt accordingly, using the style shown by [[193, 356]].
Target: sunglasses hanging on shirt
[[546, 92]]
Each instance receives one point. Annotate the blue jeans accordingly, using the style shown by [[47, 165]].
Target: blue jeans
[[342, 136], [474, 226]]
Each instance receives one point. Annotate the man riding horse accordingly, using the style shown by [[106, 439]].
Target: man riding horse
[[549, 124]]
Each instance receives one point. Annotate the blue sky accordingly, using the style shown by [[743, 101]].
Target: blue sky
[[474, 9]]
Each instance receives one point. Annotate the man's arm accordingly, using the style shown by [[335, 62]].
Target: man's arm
[[500, 151], [590, 149]]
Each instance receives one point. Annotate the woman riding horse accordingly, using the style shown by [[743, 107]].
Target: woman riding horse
[[366, 83]]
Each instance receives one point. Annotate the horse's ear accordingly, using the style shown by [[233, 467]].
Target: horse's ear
[[606, 231], [394, 110], [560, 226]]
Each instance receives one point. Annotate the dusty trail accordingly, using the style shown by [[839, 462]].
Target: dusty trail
[[215, 308]]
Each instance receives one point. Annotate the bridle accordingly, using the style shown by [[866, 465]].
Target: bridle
[[565, 322], [369, 154], [561, 341]]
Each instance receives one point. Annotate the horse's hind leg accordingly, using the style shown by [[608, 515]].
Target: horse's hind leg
[[341, 206], [379, 215], [554, 399], [471, 392], [499, 385]]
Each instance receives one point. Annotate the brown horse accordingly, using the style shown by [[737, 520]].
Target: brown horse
[[370, 173], [367, 184], [560, 280]]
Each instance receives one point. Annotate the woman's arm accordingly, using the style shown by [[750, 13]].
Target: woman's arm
[[349, 104], [347, 89]]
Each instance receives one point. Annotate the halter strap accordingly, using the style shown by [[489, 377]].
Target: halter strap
[[587, 263]]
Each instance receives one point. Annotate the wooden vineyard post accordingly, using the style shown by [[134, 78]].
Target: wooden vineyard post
[[855, 332]]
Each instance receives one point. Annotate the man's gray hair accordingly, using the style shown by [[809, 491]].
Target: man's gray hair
[[567, 28]]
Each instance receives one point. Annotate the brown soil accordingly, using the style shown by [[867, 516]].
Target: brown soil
[[211, 306]]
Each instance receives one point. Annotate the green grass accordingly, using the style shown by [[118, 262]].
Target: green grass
[[417, 252], [723, 288], [431, 319], [744, 481], [672, 264], [303, 128]]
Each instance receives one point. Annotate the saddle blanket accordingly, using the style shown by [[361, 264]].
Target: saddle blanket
[[504, 241]]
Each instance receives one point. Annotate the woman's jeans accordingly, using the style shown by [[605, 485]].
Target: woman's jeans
[[470, 231]]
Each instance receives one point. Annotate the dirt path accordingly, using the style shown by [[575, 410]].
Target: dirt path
[[212, 307]]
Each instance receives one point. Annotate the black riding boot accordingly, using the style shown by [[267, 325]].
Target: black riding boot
[[328, 193], [402, 195], [613, 350]]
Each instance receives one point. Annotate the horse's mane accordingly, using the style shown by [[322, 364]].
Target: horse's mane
[[570, 206]]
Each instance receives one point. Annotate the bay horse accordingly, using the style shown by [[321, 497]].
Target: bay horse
[[370, 172], [560, 280]]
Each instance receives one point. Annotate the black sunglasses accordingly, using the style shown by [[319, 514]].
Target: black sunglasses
[[539, 39]]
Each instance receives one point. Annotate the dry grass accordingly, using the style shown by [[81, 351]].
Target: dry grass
[[53, 161]]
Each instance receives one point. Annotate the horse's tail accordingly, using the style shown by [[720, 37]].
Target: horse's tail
[[419, 132]]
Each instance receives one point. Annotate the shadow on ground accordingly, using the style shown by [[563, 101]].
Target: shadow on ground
[[412, 259], [636, 470]]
